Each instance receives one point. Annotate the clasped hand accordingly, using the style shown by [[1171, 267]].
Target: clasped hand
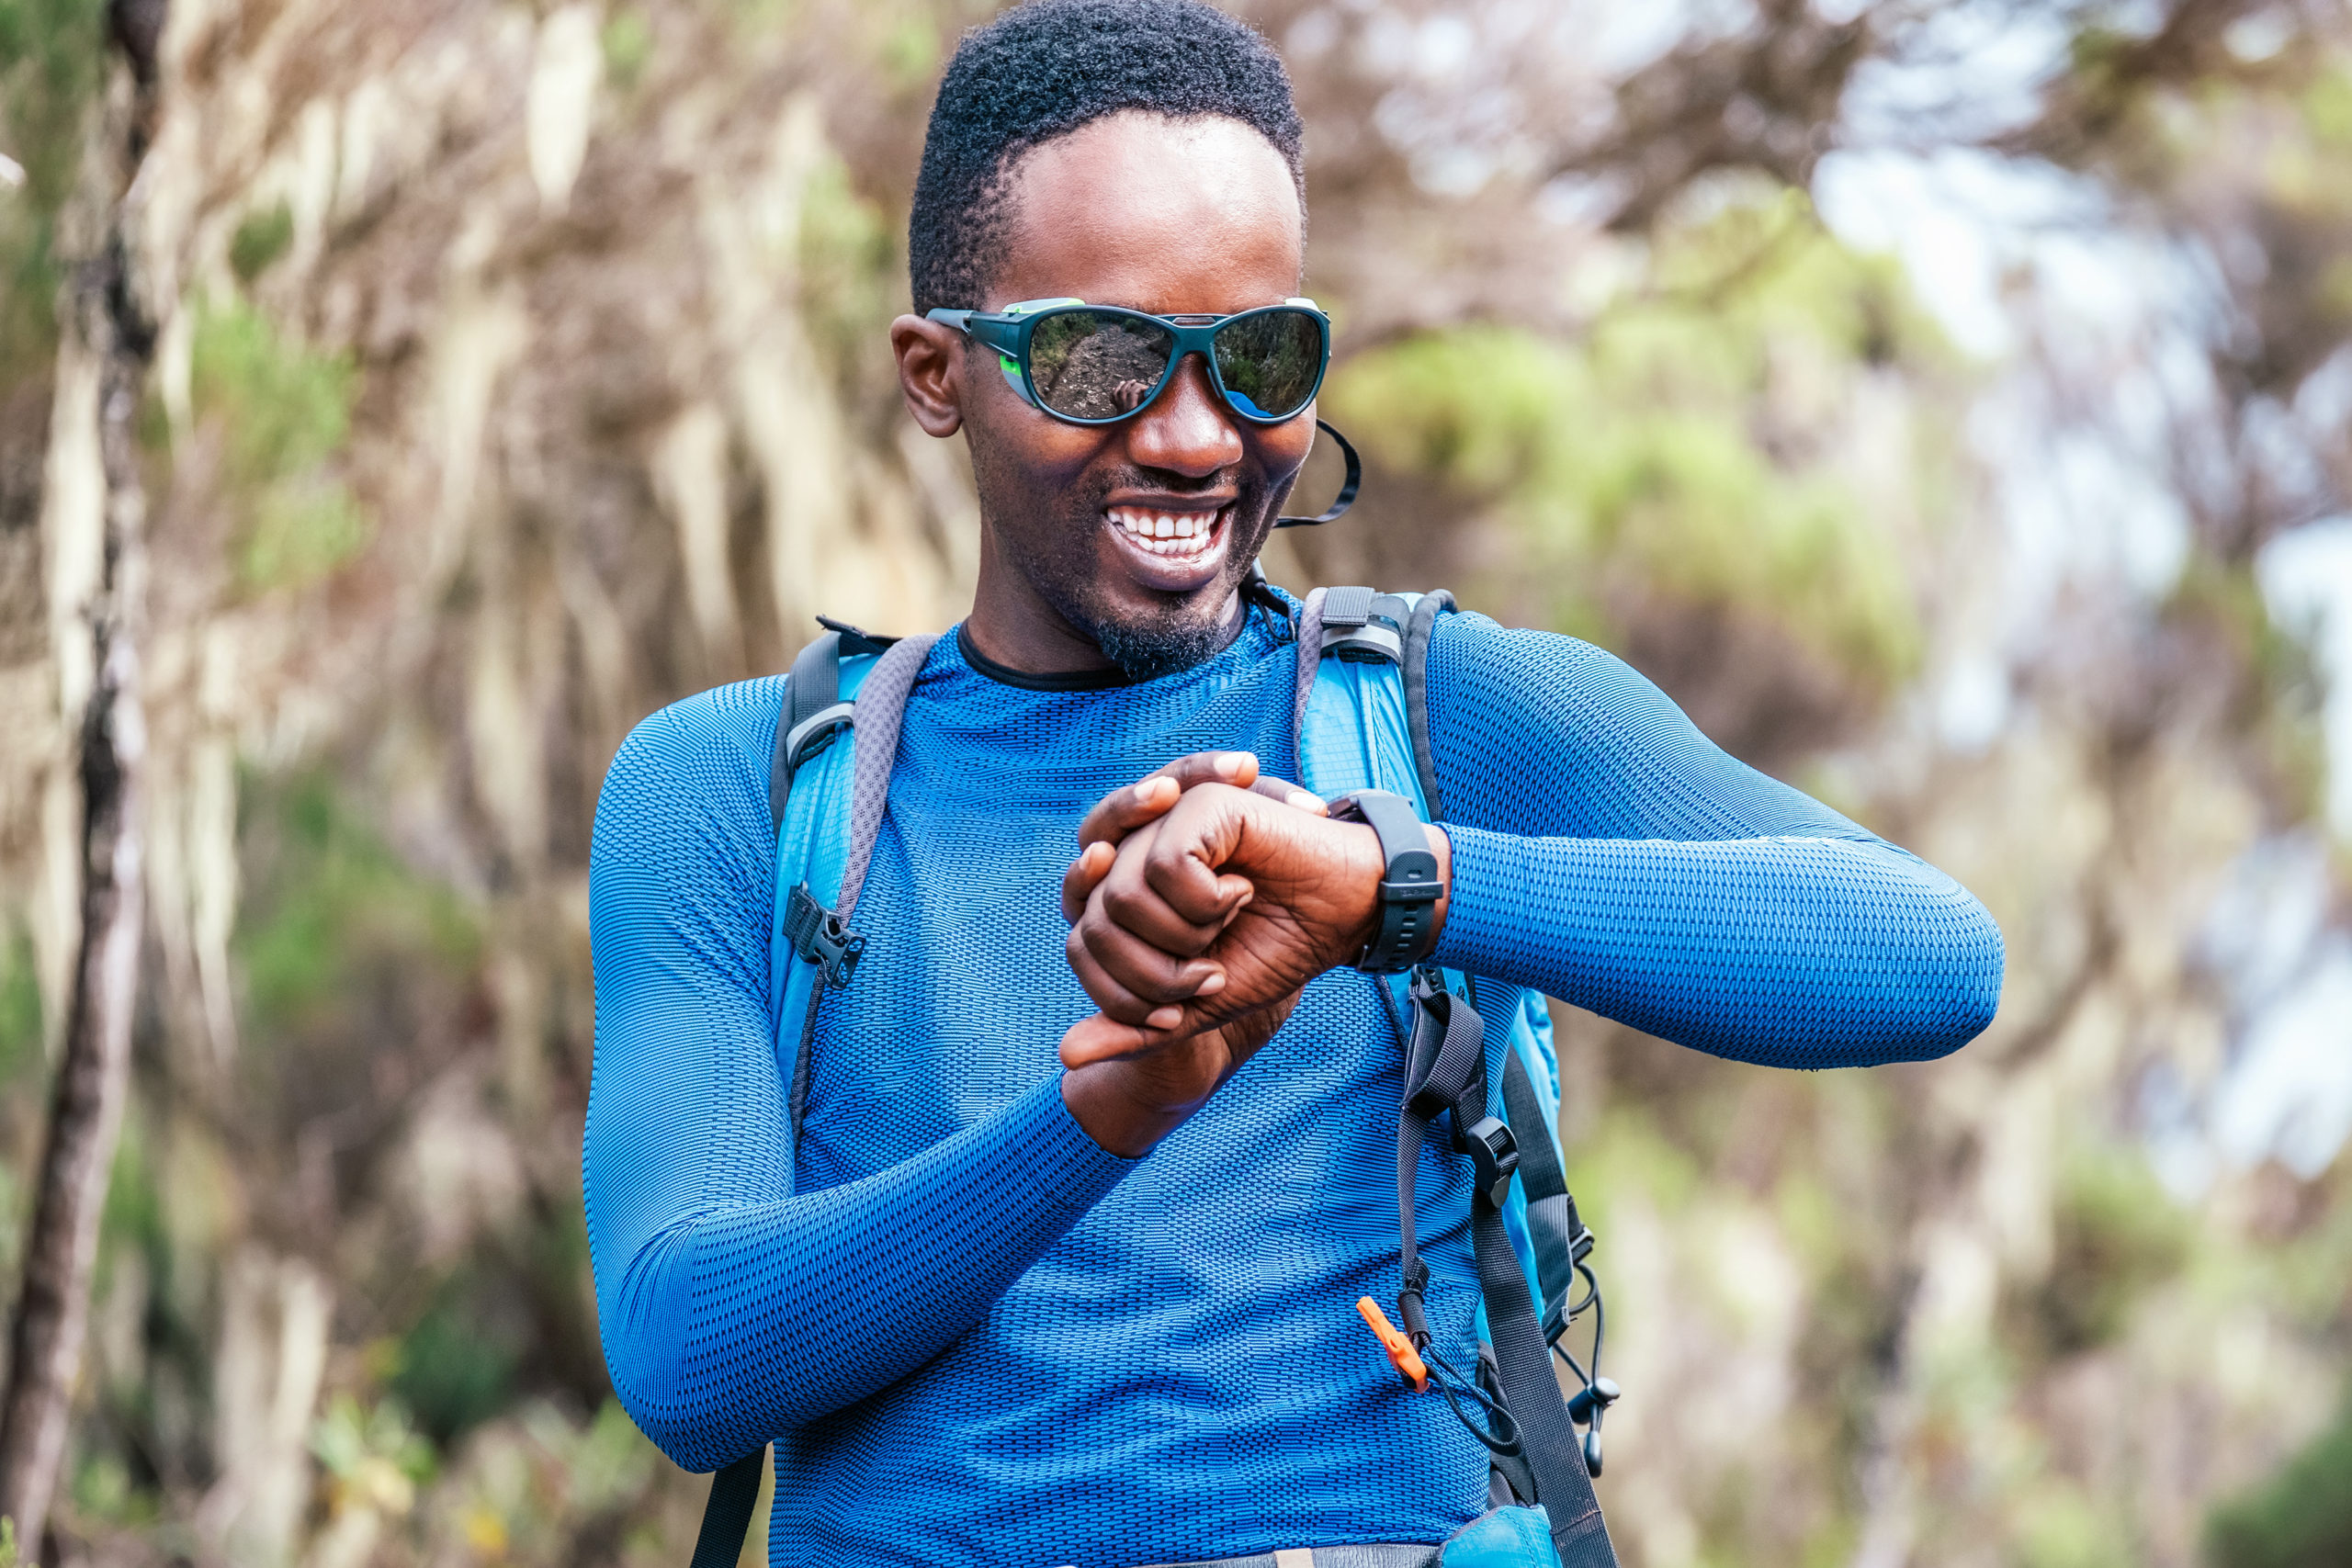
[[1202, 900]]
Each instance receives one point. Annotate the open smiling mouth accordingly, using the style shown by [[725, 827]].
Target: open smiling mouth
[[1174, 538]]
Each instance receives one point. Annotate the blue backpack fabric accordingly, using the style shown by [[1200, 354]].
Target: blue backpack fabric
[[1355, 732], [1362, 724]]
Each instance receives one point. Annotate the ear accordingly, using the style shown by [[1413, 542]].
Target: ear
[[931, 372]]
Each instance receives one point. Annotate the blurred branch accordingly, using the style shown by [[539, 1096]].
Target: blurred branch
[[2113, 73], [1763, 99], [109, 328]]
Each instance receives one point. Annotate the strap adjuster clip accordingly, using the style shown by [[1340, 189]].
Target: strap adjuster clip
[[821, 937], [816, 732], [1494, 1158]]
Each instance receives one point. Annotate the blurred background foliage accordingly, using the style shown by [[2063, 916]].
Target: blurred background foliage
[[1949, 401]]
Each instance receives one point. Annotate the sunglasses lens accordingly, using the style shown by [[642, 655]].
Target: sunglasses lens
[[1271, 362], [1092, 365]]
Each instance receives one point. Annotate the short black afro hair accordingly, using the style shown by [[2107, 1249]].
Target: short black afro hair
[[1047, 68]]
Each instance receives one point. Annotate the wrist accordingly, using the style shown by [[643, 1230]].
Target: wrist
[[1400, 882], [1104, 1100], [1367, 870]]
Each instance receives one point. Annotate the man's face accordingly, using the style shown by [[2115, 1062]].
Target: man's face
[[1137, 534]]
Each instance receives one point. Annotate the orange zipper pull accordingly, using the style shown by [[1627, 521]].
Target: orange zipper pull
[[1401, 1354]]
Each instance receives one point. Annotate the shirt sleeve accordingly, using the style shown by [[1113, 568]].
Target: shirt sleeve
[[1606, 852], [733, 1309]]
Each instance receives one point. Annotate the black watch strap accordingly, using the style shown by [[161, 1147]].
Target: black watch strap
[[1409, 887]]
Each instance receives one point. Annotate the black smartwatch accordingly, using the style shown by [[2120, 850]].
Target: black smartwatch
[[1409, 887]]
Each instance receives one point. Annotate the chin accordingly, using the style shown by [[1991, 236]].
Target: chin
[[1146, 646]]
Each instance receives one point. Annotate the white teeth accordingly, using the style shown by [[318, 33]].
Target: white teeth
[[1163, 532]]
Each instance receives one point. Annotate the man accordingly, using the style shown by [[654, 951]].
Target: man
[[1061, 1268]]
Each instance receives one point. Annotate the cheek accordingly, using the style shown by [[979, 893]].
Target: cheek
[[1031, 459], [1282, 450]]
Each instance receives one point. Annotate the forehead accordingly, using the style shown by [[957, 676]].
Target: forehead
[[1159, 214]]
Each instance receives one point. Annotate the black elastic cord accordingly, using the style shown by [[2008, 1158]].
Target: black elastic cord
[[1347, 498], [1500, 1435]]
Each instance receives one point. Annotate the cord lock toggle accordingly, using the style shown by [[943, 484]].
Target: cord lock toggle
[[1401, 1354]]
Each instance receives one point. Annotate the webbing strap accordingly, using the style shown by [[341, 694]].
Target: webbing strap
[[1532, 1390], [1346, 606], [1444, 1064], [814, 685], [734, 1493], [1553, 1224], [881, 708]]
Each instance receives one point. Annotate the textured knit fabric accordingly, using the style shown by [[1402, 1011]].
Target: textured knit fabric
[[974, 1336]]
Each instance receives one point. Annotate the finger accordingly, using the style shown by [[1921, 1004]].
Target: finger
[[1142, 977], [1156, 970], [1093, 864], [1178, 862], [1183, 924], [1123, 810], [1101, 1038], [1147, 1005], [1129, 901], [1289, 793]]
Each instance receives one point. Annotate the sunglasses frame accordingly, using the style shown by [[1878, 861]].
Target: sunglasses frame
[[1009, 332]]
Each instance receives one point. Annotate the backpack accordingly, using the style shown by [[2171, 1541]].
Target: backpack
[[1362, 717]]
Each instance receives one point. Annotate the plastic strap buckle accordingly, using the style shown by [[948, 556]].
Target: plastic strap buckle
[[816, 732], [1556, 1315], [821, 937], [1494, 1158], [1362, 627]]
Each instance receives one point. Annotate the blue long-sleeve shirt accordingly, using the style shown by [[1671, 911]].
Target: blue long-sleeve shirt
[[974, 1336]]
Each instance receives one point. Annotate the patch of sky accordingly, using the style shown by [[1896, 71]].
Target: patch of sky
[[2306, 581], [2324, 402], [1312, 36], [2284, 1091], [2288, 1092], [2083, 504], [2269, 914], [1971, 703], [1966, 73], [1617, 40], [2085, 431], [2257, 38], [1580, 201], [1962, 220]]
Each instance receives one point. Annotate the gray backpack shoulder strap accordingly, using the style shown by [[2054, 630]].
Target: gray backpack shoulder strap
[[881, 708], [813, 711], [822, 937], [812, 718]]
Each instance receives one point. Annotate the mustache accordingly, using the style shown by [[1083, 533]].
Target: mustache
[[1132, 476]]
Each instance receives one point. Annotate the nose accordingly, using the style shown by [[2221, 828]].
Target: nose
[[1187, 429]]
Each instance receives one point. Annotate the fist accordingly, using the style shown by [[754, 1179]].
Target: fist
[[1226, 902]]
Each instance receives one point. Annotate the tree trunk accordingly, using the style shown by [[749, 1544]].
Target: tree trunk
[[52, 1306]]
